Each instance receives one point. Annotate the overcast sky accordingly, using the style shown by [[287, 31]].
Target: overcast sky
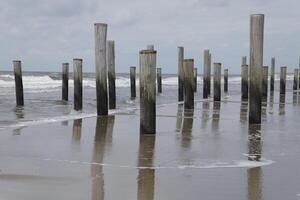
[[45, 33]]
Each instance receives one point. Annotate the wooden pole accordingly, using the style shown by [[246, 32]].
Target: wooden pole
[[180, 73], [282, 80], [206, 74], [295, 84], [65, 81], [299, 75], [111, 74], [150, 47], [132, 81], [256, 62], [244, 60], [265, 83], [225, 80], [217, 81], [147, 92], [272, 74], [101, 71], [188, 72], [195, 79], [77, 64], [18, 82], [159, 84], [209, 75], [244, 85]]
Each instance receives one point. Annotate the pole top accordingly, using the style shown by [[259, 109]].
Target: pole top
[[77, 59], [257, 15], [16, 60], [100, 24], [147, 51], [188, 60]]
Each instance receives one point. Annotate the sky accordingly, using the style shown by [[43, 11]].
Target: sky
[[45, 33]]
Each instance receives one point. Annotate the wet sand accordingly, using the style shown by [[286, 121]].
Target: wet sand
[[205, 153]]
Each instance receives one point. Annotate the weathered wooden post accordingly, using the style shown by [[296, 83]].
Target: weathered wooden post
[[150, 47], [195, 79], [244, 60], [295, 84], [265, 83], [256, 62], [101, 71], [147, 92], [180, 73], [225, 80], [188, 72], [132, 81], [65, 81], [206, 74], [217, 81], [209, 77], [272, 74], [299, 75], [18, 82], [244, 85], [282, 80], [159, 84], [77, 71], [111, 73]]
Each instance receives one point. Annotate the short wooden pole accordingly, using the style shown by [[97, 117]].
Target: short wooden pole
[[272, 79], [147, 92], [217, 81], [65, 81], [77, 64], [195, 79], [188, 72], [225, 80], [244, 84], [18, 83], [265, 83], [111, 74], [180, 73], [244, 60], [206, 74], [101, 68], [132, 81], [159, 83], [295, 84], [256, 62], [282, 80]]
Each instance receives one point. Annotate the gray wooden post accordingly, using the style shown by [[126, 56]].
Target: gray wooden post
[[265, 83], [132, 81], [282, 80], [188, 72], [65, 81], [217, 81], [18, 82], [256, 62], [101, 68], [295, 84], [159, 84], [111, 74], [195, 79], [272, 74], [180, 73], [244, 60], [206, 74], [225, 80], [299, 75], [244, 85], [150, 47], [77, 71], [209, 77], [147, 92]]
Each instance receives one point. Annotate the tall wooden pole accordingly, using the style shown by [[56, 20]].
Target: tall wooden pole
[[77, 64], [101, 68], [244, 85], [195, 79], [217, 81], [225, 80], [111, 73], [206, 74], [65, 81], [18, 82], [265, 83], [272, 74], [282, 80], [256, 62], [180, 73], [188, 71], [159, 83], [295, 84], [147, 92], [132, 81]]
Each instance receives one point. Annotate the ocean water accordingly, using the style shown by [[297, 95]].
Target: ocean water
[[42, 94]]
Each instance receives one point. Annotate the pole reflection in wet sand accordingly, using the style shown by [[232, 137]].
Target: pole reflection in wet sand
[[254, 183], [216, 115], [146, 175], [282, 105], [205, 113], [187, 128], [102, 140], [179, 117], [244, 111], [76, 133], [271, 101]]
